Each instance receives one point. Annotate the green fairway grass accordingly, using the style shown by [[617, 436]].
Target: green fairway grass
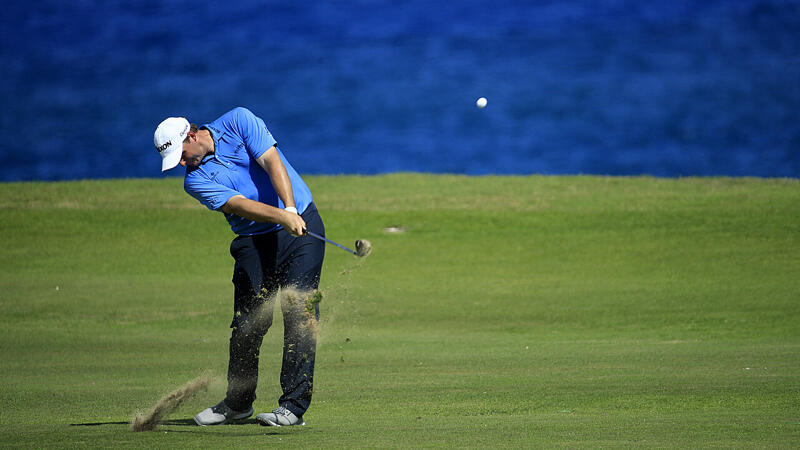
[[513, 312]]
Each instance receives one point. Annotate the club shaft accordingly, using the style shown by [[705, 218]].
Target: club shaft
[[330, 242]]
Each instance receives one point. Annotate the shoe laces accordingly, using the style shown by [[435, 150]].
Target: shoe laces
[[282, 411], [221, 408]]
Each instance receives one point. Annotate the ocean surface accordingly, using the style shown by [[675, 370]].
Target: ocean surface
[[613, 87]]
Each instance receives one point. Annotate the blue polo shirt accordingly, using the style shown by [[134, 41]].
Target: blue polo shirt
[[239, 139]]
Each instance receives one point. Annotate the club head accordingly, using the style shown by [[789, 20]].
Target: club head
[[363, 248]]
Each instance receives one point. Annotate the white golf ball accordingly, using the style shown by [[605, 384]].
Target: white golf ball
[[481, 102]]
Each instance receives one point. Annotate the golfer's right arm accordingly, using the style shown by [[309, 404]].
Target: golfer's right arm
[[261, 212]]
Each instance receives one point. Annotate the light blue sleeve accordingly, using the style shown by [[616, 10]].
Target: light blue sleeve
[[210, 193], [253, 131]]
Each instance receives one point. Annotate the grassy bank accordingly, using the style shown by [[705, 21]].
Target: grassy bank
[[512, 312]]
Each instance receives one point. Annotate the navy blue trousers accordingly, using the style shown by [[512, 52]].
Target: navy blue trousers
[[264, 264]]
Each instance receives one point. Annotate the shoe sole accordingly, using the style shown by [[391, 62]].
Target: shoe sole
[[209, 424], [239, 417], [269, 423]]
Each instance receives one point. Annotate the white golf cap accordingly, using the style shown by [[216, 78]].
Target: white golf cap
[[169, 138]]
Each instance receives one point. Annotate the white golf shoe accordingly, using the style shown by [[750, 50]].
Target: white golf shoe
[[220, 414], [281, 417]]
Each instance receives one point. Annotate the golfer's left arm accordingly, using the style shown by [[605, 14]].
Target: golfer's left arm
[[271, 162]]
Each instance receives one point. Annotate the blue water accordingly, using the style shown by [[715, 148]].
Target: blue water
[[619, 87]]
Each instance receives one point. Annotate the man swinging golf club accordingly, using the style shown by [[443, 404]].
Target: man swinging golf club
[[233, 165]]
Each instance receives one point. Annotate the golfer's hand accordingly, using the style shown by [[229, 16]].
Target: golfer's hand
[[293, 223]]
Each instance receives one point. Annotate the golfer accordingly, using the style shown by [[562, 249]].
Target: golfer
[[233, 166]]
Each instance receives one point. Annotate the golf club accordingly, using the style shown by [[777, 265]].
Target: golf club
[[363, 247]]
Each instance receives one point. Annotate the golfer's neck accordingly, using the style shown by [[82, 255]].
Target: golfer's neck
[[206, 136]]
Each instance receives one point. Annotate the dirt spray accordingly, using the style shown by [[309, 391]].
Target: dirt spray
[[169, 403]]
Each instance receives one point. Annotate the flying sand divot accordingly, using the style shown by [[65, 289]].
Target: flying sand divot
[[169, 403]]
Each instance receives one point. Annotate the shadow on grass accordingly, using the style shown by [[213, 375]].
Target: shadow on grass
[[96, 424], [176, 422], [262, 430]]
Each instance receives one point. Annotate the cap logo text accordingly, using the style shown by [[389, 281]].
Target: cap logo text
[[164, 146]]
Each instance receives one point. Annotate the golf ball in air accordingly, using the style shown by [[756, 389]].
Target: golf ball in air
[[481, 102]]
